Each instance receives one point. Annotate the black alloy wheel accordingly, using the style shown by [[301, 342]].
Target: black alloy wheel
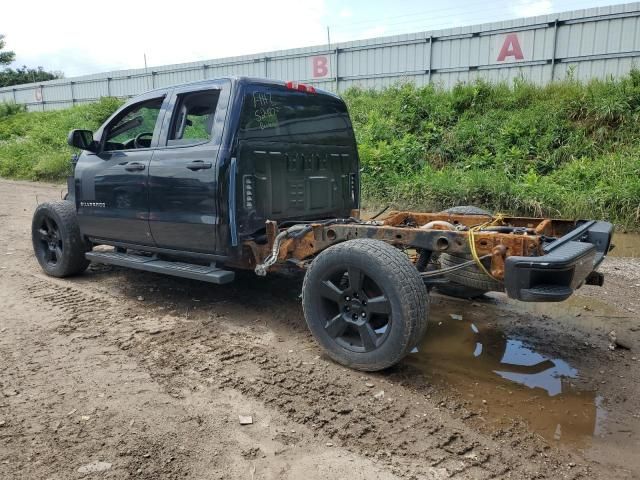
[[356, 309], [57, 242], [365, 303], [49, 242]]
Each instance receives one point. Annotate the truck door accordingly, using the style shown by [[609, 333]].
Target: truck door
[[183, 180], [112, 185]]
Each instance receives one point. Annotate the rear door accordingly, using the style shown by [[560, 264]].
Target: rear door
[[112, 185], [183, 183]]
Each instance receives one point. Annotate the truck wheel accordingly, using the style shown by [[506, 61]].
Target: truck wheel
[[470, 282], [365, 304], [56, 238]]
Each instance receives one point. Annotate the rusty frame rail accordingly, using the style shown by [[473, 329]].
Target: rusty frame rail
[[402, 229]]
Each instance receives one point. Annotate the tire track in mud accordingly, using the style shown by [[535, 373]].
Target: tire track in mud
[[75, 306], [44, 439], [414, 441]]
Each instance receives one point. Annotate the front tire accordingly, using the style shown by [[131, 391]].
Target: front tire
[[365, 304], [57, 242]]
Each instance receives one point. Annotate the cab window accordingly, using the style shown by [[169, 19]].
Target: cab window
[[279, 114], [134, 127], [193, 118]]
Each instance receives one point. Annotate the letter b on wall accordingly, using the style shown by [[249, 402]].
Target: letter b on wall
[[320, 66]]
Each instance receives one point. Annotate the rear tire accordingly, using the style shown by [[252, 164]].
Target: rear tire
[[57, 242], [365, 304]]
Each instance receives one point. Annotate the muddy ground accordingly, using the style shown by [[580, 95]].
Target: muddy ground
[[138, 375]]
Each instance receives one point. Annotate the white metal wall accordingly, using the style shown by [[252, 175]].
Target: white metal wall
[[593, 43]]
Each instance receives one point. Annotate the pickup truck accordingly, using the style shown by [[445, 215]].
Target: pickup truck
[[203, 179]]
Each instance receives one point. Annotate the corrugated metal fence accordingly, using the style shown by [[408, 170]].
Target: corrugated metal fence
[[598, 42]]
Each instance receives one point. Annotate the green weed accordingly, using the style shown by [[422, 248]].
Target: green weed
[[567, 149], [9, 108], [34, 145]]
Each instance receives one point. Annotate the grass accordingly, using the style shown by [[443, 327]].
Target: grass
[[34, 146], [568, 149]]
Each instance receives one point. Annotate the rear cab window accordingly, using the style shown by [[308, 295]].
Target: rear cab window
[[276, 113]]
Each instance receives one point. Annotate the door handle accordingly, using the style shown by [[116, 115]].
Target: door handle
[[134, 167], [199, 165]]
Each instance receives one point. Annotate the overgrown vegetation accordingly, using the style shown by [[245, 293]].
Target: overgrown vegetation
[[567, 149], [8, 108], [34, 145]]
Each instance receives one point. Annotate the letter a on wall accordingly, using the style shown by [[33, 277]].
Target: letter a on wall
[[511, 49]]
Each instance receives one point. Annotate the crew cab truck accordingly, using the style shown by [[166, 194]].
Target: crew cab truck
[[203, 179]]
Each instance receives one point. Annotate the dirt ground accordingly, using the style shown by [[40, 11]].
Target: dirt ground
[[119, 374]]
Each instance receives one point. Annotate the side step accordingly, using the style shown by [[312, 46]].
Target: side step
[[211, 274]]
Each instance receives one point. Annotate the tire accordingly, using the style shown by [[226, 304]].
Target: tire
[[57, 242], [471, 277], [468, 210], [470, 282], [355, 330]]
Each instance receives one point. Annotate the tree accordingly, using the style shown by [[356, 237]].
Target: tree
[[9, 76], [5, 57], [18, 76]]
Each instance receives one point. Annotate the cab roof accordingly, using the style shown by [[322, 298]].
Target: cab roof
[[240, 80]]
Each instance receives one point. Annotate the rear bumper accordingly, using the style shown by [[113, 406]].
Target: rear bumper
[[565, 266]]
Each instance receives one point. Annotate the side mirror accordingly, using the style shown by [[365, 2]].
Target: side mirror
[[82, 139]]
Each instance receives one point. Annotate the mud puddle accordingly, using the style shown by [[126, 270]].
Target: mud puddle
[[626, 245], [504, 378], [577, 311]]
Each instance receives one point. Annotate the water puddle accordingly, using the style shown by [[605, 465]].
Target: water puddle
[[627, 245], [504, 378], [577, 311]]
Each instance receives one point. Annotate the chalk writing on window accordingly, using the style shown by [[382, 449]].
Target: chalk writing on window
[[265, 110]]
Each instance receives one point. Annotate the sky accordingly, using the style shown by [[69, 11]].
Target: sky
[[73, 37]]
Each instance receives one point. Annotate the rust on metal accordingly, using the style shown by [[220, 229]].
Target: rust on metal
[[402, 229], [271, 228], [550, 227], [499, 253]]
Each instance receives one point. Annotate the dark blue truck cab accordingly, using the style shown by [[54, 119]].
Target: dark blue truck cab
[[172, 163], [202, 179]]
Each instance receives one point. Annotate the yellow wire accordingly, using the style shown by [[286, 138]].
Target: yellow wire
[[498, 218]]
